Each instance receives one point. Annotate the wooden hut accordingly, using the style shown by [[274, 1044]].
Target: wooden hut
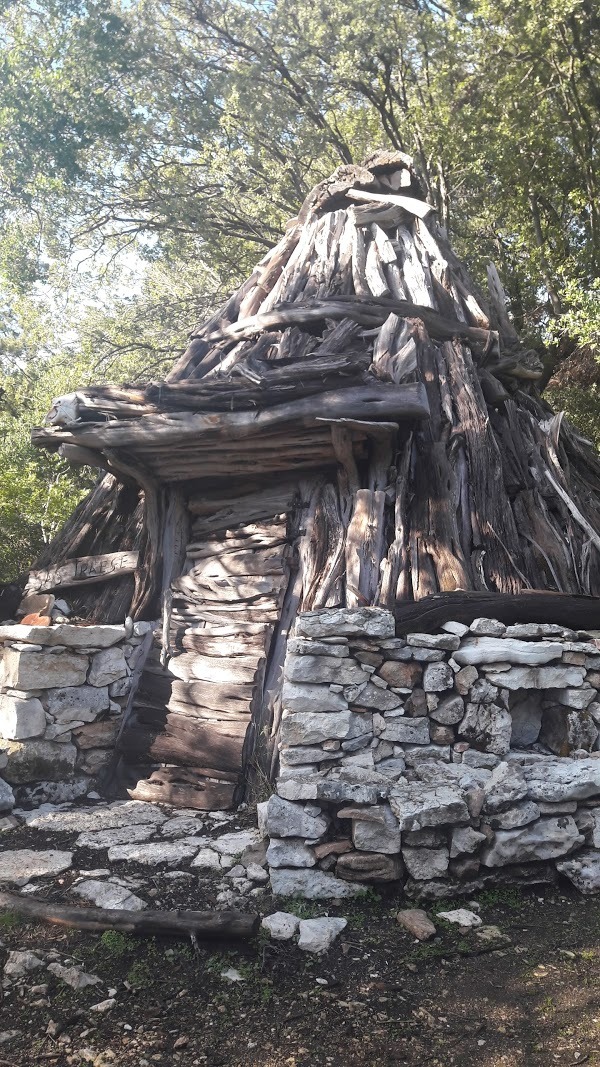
[[357, 425]]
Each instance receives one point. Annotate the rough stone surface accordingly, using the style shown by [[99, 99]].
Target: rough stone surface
[[465, 840], [553, 780], [310, 728], [369, 836], [487, 726], [154, 852], [75, 977], [417, 923], [119, 836], [281, 925], [574, 698], [449, 711], [323, 669], [406, 731], [317, 935], [18, 964], [505, 786], [7, 797], [437, 677], [107, 895], [107, 666], [537, 677], [284, 819], [464, 679], [368, 867], [520, 815], [462, 917], [290, 852], [583, 870], [487, 628], [20, 865], [448, 642], [43, 670], [82, 703], [336, 622], [20, 719], [37, 760], [306, 698], [311, 884], [425, 863], [305, 647], [401, 675], [418, 806], [100, 817], [485, 650], [545, 839], [565, 730], [68, 634], [375, 698], [526, 715]]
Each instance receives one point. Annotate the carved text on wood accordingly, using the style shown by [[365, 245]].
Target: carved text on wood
[[82, 571]]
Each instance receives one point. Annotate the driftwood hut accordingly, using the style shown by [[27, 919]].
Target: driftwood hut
[[357, 425]]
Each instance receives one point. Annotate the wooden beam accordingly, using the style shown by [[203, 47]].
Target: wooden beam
[[369, 402], [532, 605], [86, 570], [148, 923]]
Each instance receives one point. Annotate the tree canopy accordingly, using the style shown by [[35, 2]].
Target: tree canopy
[[152, 150]]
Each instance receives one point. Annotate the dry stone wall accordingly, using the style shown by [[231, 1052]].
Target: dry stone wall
[[63, 689], [440, 762]]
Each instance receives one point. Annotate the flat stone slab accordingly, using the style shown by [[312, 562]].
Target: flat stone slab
[[101, 817], [118, 836], [108, 895], [154, 852], [337, 622], [484, 650], [233, 844], [545, 839], [19, 865], [310, 884], [73, 636]]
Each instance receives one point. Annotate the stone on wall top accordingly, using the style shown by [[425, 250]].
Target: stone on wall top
[[69, 634], [335, 622]]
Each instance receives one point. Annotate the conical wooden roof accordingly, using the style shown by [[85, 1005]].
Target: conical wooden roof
[[359, 349]]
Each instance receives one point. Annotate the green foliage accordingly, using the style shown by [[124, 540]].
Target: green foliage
[[9, 920], [113, 943], [139, 975]]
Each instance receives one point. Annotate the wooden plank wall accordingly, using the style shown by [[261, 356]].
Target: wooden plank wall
[[195, 713]]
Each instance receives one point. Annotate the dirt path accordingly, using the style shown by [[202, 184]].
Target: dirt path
[[377, 997]]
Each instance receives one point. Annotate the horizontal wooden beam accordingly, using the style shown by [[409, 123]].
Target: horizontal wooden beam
[[86, 570], [532, 605], [376, 401]]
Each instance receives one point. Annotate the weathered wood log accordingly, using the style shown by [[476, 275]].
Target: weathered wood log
[[532, 605], [184, 789], [408, 203], [365, 547], [369, 401], [147, 923], [87, 570]]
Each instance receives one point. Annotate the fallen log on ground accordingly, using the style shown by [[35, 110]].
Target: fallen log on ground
[[196, 924]]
